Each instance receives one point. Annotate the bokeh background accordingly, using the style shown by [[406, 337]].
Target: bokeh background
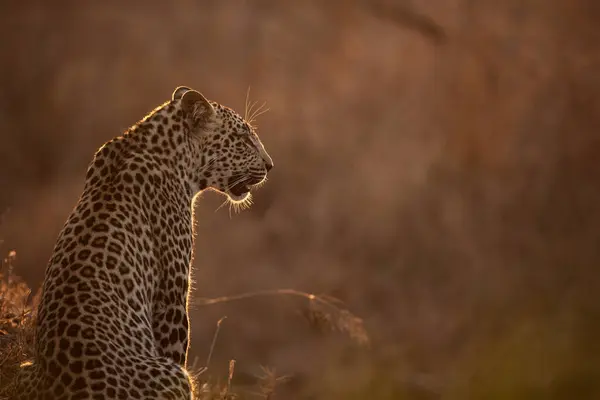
[[436, 168]]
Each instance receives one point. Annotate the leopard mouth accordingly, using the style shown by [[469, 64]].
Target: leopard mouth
[[240, 187]]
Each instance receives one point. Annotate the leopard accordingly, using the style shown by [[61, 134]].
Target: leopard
[[113, 320]]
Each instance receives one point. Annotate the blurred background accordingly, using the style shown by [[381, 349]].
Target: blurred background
[[436, 169]]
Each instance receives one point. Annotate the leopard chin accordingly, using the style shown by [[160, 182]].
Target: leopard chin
[[240, 190], [238, 198]]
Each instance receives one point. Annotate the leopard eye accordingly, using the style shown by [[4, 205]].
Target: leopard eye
[[247, 140], [249, 129]]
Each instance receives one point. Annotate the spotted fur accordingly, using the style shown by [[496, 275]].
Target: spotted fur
[[113, 321]]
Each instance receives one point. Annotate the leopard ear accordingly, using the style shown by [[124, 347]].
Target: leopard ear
[[196, 107], [178, 92]]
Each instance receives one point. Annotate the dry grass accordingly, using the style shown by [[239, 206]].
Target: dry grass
[[267, 383], [323, 312], [16, 324]]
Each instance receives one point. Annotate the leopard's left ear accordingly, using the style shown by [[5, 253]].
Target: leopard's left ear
[[196, 107], [178, 92]]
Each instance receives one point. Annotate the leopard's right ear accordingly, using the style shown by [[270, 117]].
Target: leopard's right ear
[[196, 108], [179, 92]]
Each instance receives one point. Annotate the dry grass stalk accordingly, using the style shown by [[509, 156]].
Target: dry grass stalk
[[323, 311], [16, 325], [269, 380], [217, 391]]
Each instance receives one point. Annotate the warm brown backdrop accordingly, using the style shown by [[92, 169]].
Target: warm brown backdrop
[[436, 168]]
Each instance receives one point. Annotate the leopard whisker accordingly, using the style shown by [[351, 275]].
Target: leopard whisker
[[222, 204], [259, 111], [251, 111], [255, 112], [209, 164], [240, 206], [247, 101], [236, 181]]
